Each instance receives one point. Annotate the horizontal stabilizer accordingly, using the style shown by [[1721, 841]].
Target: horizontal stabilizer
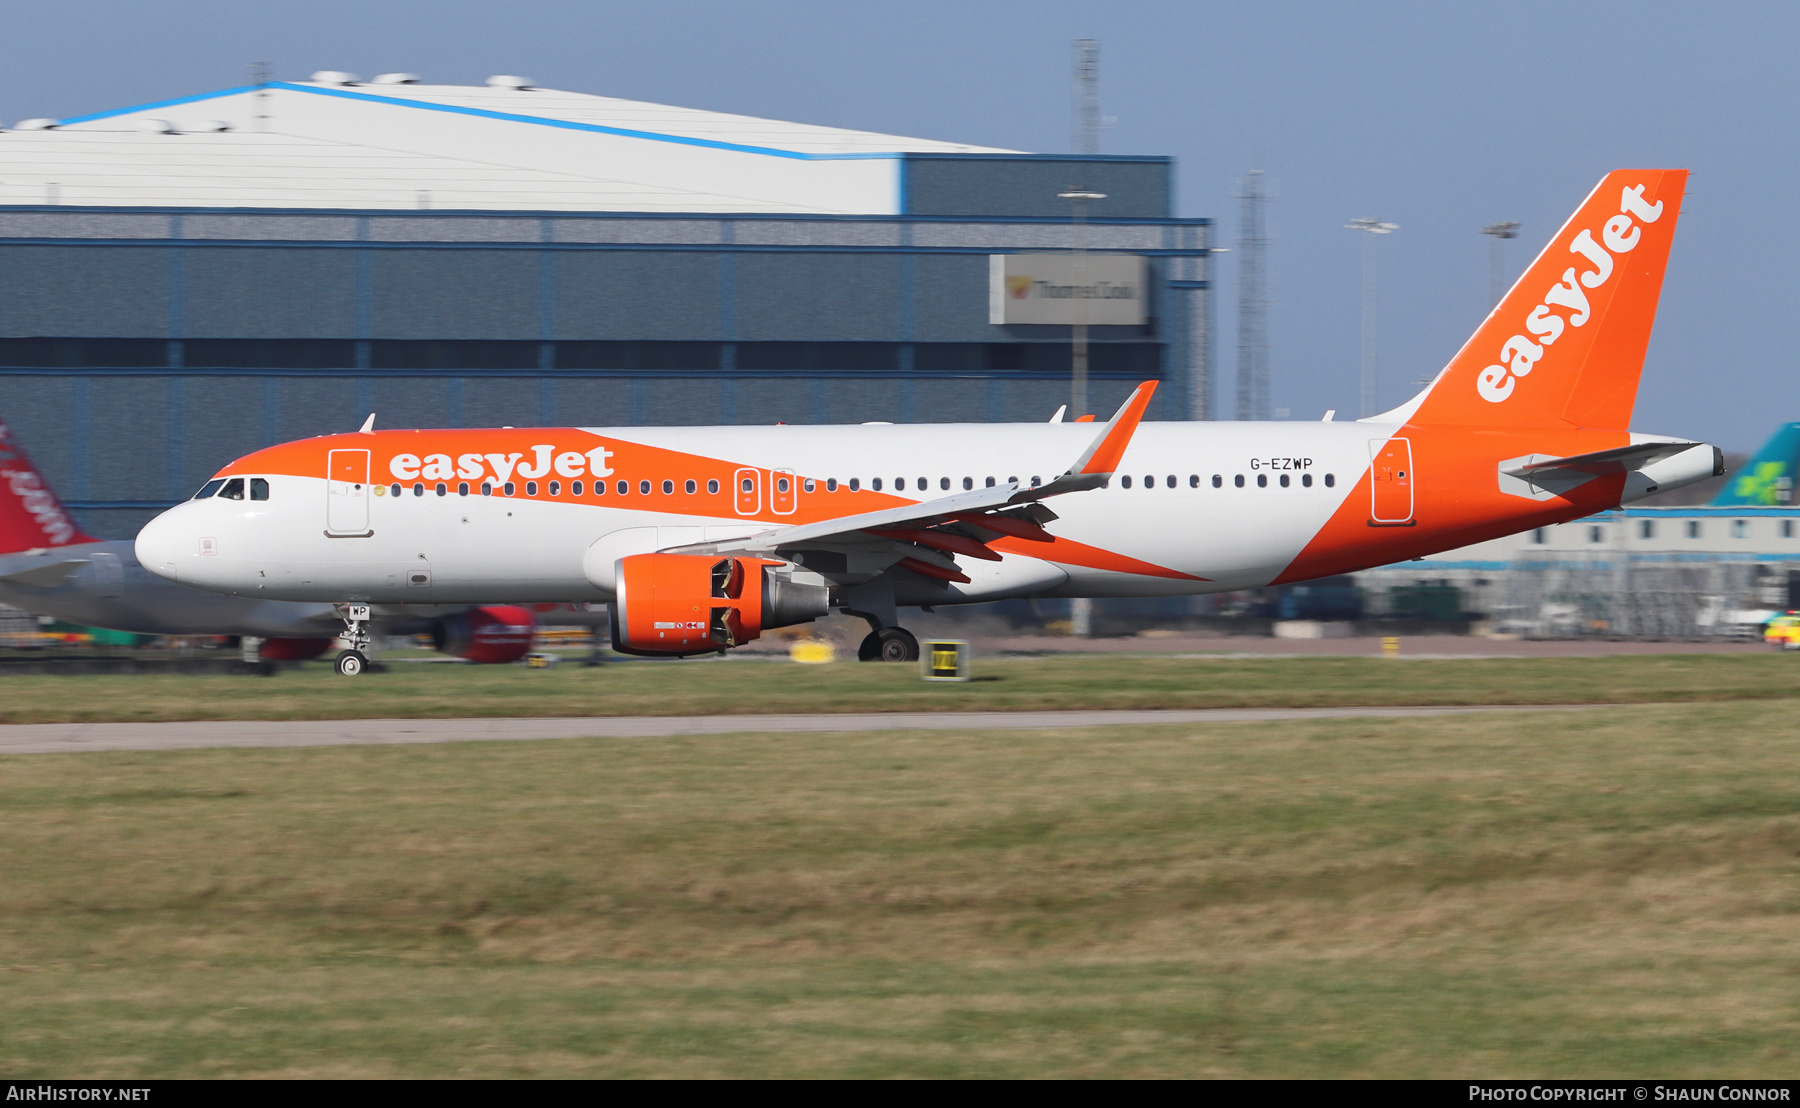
[[1623, 459], [40, 574]]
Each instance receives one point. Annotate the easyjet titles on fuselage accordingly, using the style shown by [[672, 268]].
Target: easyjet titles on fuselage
[[544, 459]]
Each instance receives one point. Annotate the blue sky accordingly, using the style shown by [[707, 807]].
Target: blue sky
[[1438, 117]]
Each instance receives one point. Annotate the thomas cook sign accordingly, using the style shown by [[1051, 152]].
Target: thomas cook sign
[[1097, 289]]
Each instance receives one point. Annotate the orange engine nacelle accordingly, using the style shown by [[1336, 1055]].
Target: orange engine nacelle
[[701, 603], [489, 636]]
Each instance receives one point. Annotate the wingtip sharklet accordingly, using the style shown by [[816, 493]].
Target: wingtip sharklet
[[1109, 447]]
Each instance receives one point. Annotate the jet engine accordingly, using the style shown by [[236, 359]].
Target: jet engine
[[493, 635], [678, 604]]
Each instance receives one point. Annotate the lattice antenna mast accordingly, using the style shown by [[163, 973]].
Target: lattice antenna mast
[[1253, 299], [1086, 139], [1497, 259]]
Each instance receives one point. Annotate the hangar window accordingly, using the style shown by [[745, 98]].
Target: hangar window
[[1740, 528], [1306, 480], [233, 490], [1125, 481], [1539, 537], [1331, 480], [259, 488], [1262, 480], [1787, 528], [1646, 529], [668, 488], [209, 488], [693, 488], [1693, 528], [1596, 533], [1284, 480], [1238, 480]]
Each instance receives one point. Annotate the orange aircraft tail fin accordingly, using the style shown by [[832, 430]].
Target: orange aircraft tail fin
[[30, 514], [1566, 345]]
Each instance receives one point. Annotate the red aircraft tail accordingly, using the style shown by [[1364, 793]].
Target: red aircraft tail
[[31, 517]]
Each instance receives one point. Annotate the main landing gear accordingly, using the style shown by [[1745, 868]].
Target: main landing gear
[[352, 662], [889, 644], [887, 641]]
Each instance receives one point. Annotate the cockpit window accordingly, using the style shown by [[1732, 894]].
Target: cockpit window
[[209, 488], [259, 488], [233, 490]]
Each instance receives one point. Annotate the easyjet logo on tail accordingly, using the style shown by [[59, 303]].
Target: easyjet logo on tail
[[1619, 235]]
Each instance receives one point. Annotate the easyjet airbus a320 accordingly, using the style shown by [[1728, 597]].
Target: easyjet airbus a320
[[703, 537]]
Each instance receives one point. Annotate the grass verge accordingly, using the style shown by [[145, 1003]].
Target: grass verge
[[710, 687], [1561, 894]]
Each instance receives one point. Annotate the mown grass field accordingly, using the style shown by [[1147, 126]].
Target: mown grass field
[[708, 687], [1615, 891]]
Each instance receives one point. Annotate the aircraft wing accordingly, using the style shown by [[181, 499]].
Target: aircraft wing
[[986, 508]]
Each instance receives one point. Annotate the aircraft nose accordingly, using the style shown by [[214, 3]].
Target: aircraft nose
[[160, 544]]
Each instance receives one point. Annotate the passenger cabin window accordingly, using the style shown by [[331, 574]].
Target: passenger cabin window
[[1218, 481], [487, 488], [1125, 481], [875, 484], [259, 488], [1284, 480], [944, 482], [691, 487], [713, 486], [830, 485], [1262, 480], [555, 488], [1238, 480], [462, 488], [394, 490], [1306, 480], [855, 484], [643, 488], [233, 490], [968, 483], [530, 489], [575, 488], [624, 487], [1330, 480], [442, 488], [509, 488], [1193, 480], [1171, 480], [209, 488], [419, 488]]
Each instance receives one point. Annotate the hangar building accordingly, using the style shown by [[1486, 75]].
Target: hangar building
[[189, 280]]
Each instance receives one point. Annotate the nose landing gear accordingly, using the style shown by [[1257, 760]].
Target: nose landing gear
[[354, 661]]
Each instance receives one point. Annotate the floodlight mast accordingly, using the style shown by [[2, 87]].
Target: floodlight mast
[[1374, 227], [1497, 259]]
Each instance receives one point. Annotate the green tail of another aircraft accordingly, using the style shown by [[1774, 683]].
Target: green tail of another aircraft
[[1768, 480]]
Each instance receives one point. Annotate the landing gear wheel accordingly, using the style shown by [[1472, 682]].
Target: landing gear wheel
[[890, 644], [351, 663]]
